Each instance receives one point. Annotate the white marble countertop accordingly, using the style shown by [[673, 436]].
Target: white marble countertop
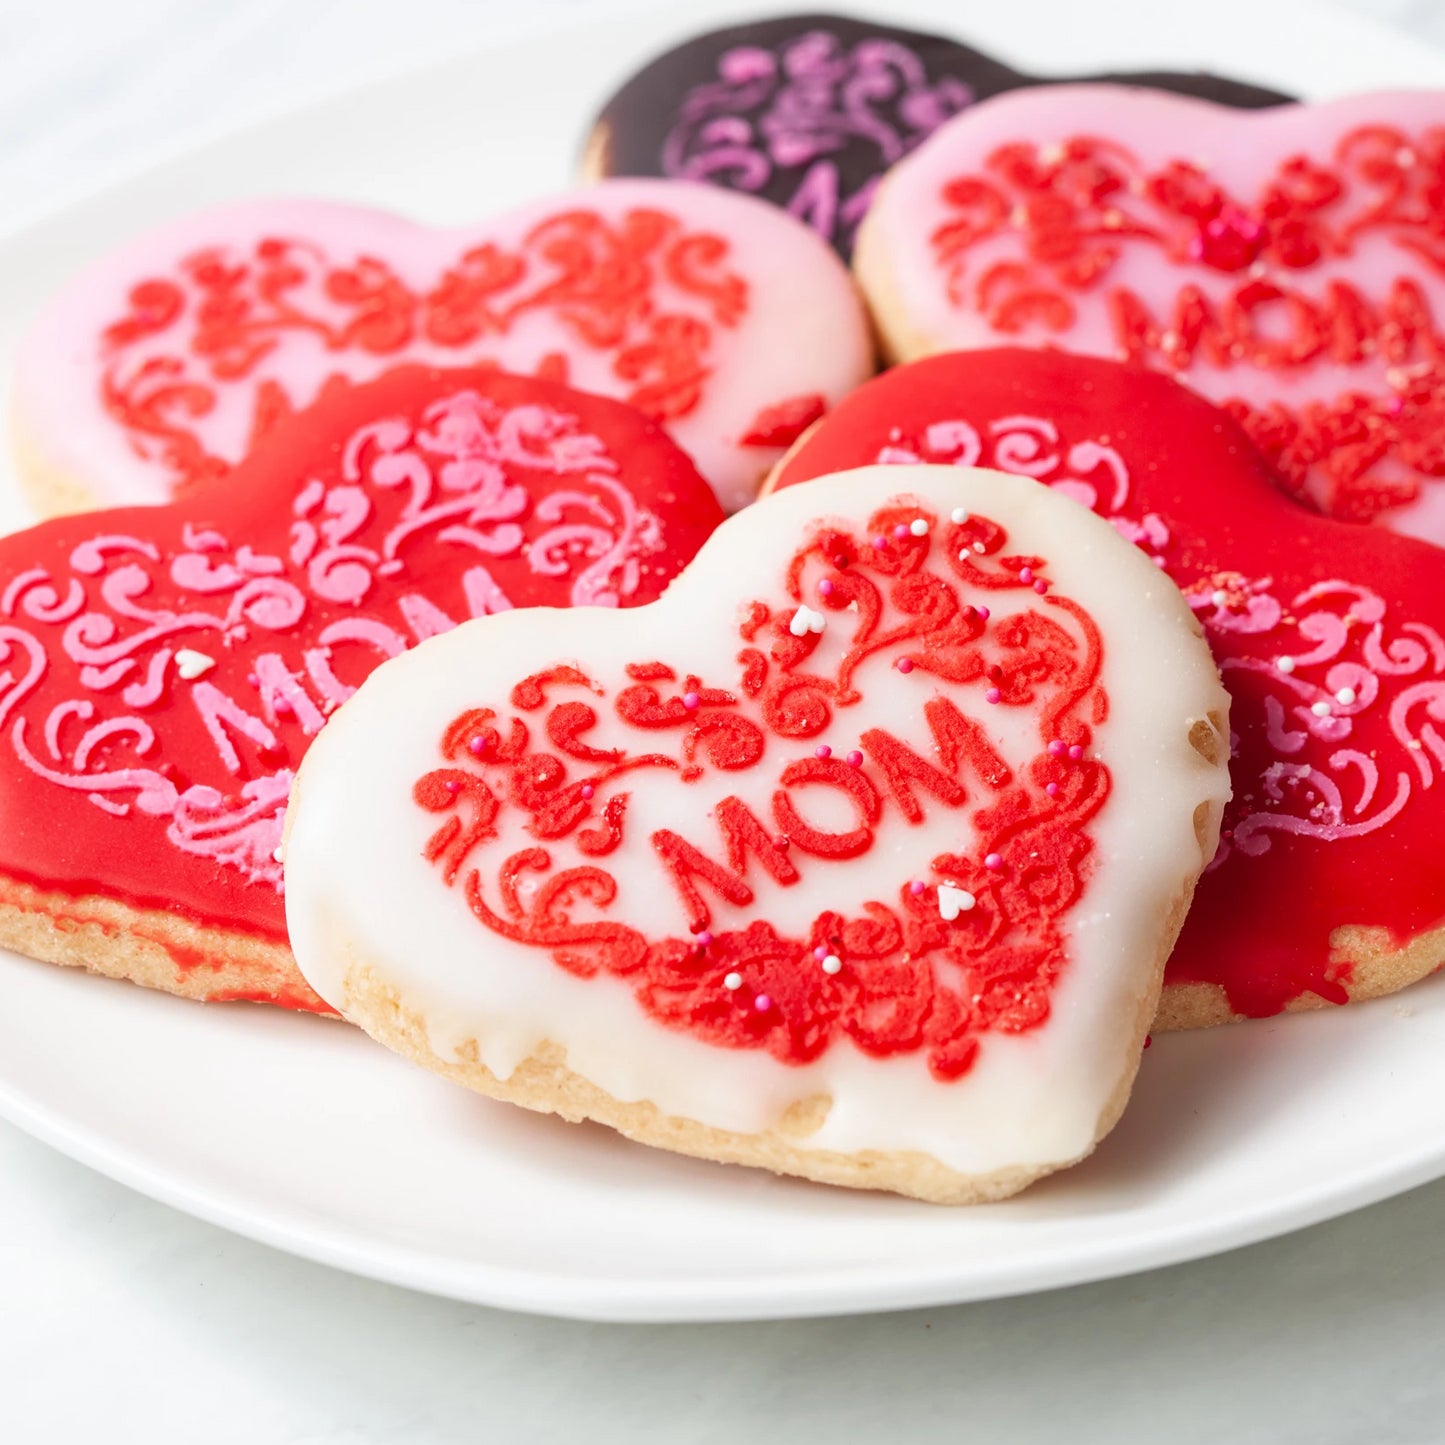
[[121, 1320]]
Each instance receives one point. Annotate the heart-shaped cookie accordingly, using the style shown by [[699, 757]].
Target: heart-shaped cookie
[[856, 856], [727, 322], [1288, 264], [162, 669], [1330, 883], [808, 111]]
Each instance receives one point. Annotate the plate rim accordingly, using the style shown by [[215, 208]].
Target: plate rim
[[867, 1288]]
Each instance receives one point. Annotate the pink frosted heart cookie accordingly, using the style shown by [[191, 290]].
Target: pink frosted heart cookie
[[856, 856], [159, 367], [1287, 263]]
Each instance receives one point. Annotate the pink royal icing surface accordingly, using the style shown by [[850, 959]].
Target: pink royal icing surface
[[732, 325]]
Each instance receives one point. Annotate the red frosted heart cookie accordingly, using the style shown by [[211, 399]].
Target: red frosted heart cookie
[[162, 669], [1330, 883], [856, 856], [723, 319], [1288, 264]]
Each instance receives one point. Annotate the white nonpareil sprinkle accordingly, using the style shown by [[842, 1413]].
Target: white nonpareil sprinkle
[[832, 964], [1345, 696], [1320, 709], [191, 664], [732, 981], [278, 854], [979, 547], [960, 515], [952, 901], [918, 526], [1220, 598], [805, 620], [1285, 664]]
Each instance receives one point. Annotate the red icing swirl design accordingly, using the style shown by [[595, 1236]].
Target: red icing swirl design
[[199, 330], [162, 670], [970, 942], [1330, 640], [1326, 268]]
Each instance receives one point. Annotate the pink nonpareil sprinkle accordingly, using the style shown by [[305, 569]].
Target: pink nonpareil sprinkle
[[994, 862], [822, 751], [917, 887], [587, 791], [825, 588], [905, 664], [855, 759], [993, 695], [704, 939], [762, 1003], [690, 700]]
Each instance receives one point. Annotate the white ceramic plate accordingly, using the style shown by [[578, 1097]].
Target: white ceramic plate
[[303, 1134]]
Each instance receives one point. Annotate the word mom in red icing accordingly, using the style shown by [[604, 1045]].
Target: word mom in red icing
[[1297, 297], [939, 950]]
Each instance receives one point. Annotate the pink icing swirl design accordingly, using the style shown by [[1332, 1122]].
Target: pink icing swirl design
[[1091, 472], [94, 654], [1336, 660], [836, 116]]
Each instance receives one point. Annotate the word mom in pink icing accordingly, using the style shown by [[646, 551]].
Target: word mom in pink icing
[[259, 642]]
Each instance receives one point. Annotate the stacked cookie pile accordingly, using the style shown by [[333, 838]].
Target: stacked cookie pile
[[864, 847]]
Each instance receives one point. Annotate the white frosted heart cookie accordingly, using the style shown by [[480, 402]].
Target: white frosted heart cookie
[[856, 856]]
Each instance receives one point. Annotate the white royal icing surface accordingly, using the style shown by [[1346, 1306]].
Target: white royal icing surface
[[358, 885]]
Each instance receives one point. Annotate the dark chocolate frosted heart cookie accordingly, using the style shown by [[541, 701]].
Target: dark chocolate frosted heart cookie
[[808, 111]]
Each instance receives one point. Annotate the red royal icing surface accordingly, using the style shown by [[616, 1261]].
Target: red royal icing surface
[[1337, 814], [222, 311], [162, 670], [911, 980]]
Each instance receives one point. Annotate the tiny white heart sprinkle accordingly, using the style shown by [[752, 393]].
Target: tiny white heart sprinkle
[[959, 515], [191, 664], [952, 901], [919, 527], [805, 620], [733, 981]]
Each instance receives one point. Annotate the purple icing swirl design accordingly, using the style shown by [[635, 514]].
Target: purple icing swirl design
[[800, 108]]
